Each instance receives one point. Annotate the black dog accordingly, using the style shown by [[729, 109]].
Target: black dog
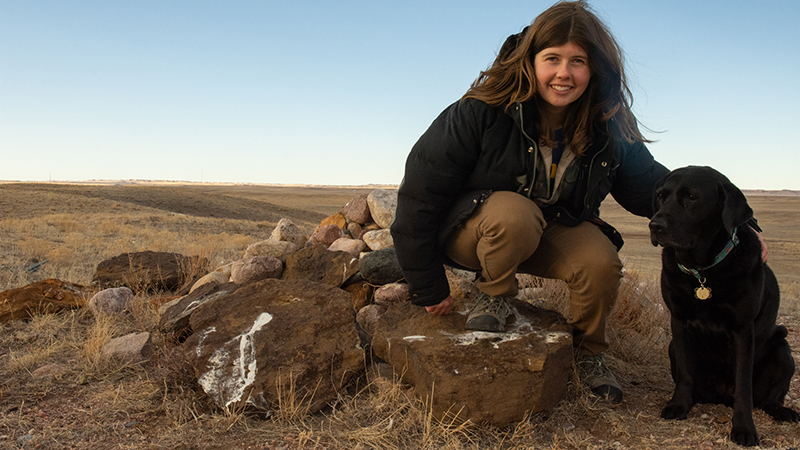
[[726, 347]]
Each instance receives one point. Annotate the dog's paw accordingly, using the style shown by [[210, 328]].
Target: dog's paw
[[744, 436], [675, 412], [782, 413]]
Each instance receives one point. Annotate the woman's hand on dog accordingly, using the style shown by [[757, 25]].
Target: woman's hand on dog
[[764, 249]]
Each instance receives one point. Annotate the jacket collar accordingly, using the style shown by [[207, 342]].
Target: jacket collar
[[524, 114]]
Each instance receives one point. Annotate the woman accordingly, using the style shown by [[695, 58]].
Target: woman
[[510, 178]]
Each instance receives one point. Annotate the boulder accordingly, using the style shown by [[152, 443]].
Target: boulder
[[257, 268], [357, 210], [380, 267], [391, 293], [493, 378], [275, 341], [215, 277], [111, 301], [175, 315], [360, 292], [382, 204], [146, 271], [286, 230], [327, 234], [47, 296], [351, 246], [272, 247], [355, 230], [131, 348], [367, 317], [336, 219], [378, 239], [318, 264]]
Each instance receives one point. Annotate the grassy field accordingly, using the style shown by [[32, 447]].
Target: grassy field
[[95, 403]]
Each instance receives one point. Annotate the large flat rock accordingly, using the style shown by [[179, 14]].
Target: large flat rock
[[493, 378]]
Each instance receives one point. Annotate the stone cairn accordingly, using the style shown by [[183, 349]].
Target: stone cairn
[[305, 315]]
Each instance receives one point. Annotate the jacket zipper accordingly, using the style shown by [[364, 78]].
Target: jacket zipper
[[589, 175], [535, 151]]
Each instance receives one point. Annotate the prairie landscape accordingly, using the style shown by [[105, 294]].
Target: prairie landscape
[[60, 230]]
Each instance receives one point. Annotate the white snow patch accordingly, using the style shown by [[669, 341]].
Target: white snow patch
[[415, 338]]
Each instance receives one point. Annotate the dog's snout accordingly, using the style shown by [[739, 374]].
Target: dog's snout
[[656, 226], [657, 230]]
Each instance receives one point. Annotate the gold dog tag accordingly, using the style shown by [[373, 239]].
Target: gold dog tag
[[702, 293]]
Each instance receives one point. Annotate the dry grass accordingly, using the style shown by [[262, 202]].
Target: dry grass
[[92, 402]]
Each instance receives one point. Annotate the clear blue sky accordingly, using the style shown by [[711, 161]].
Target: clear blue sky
[[323, 92]]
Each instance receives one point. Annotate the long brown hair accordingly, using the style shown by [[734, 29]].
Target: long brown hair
[[511, 77]]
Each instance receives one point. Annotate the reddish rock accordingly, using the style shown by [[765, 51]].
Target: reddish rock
[[46, 296], [327, 235], [357, 210], [494, 378], [391, 293]]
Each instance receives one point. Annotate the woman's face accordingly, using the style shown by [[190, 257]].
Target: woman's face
[[562, 75]]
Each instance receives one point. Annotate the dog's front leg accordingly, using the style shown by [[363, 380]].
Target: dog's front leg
[[680, 354], [743, 431]]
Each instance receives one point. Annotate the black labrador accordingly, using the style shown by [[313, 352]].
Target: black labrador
[[723, 301]]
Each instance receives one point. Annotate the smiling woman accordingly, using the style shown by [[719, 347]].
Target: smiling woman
[[510, 178]]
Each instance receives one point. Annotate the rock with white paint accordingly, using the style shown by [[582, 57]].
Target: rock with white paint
[[275, 340], [317, 263], [494, 378], [382, 204]]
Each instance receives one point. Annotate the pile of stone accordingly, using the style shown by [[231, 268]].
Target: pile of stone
[[300, 316]]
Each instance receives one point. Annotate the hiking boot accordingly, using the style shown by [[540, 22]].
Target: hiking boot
[[488, 314], [595, 373]]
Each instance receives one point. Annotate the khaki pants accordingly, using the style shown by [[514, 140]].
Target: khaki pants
[[508, 235]]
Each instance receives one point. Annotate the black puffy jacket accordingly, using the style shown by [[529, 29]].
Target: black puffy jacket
[[472, 149]]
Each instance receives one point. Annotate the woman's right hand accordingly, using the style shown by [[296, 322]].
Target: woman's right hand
[[443, 308]]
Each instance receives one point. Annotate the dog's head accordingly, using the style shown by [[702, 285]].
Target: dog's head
[[692, 205]]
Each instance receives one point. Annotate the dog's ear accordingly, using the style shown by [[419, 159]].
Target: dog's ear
[[735, 210]]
